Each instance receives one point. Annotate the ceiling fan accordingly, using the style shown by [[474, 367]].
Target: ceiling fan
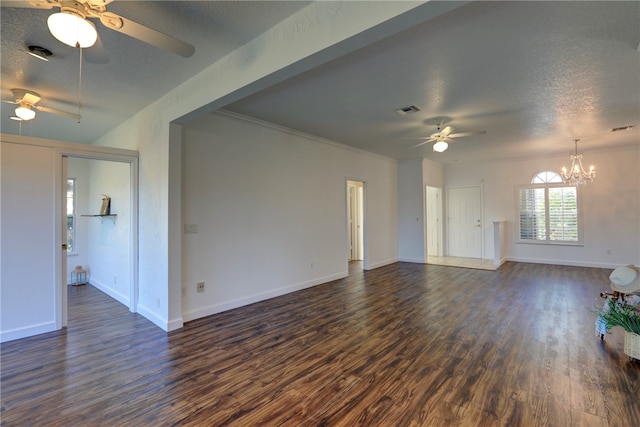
[[72, 25], [442, 137], [26, 101]]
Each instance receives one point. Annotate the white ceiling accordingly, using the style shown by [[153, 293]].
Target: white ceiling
[[533, 75]]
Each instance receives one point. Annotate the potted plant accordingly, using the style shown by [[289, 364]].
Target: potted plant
[[627, 316]]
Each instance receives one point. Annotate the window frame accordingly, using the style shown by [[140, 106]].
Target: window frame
[[547, 240], [74, 248]]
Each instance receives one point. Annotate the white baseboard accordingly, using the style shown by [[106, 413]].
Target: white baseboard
[[413, 260], [240, 302], [572, 263], [121, 298], [379, 264], [27, 331], [153, 317]]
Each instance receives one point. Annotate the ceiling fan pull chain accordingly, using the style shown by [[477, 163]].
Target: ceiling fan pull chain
[[79, 83]]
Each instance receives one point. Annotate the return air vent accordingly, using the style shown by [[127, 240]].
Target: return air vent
[[407, 110], [621, 128]]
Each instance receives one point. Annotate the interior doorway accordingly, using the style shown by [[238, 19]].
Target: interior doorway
[[104, 243], [355, 218]]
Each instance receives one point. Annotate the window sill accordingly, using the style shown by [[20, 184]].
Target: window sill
[[547, 243]]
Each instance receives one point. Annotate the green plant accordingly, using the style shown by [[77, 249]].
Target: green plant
[[621, 314]]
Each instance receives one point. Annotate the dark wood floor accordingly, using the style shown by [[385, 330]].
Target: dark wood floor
[[403, 345]]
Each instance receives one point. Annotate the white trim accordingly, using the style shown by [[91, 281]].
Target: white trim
[[114, 155], [78, 148], [572, 263], [152, 316], [27, 331], [413, 260], [240, 302], [384, 263], [303, 135], [120, 297], [365, 229]]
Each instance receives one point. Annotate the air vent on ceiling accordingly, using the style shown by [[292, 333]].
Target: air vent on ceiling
[[621, 128], [407, 110]]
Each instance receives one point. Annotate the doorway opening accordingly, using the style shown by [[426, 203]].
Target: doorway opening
[[104, 243], [356, 235]]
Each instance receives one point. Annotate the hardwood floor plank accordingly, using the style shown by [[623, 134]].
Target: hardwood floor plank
[[402, 345]]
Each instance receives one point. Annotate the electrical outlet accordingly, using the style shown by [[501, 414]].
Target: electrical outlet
[[200, 286]]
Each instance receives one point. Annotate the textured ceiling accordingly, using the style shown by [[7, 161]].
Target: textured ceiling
[[533, 75], [136, 74]]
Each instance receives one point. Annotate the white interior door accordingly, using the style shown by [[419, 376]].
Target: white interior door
[[355, 217], [464, 222], [434, 221]]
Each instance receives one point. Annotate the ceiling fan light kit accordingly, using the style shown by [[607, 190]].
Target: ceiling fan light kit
[[442, 137], [440, 146], [577, 175], [71, 28], [24, 112]]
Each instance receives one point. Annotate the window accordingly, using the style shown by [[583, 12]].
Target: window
[[548, 211], [71, 217]]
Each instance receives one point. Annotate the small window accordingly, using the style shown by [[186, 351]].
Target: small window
[[546, 177], [71, 216], [549, 211]]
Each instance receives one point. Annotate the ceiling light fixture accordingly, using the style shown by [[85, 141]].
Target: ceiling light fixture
[[24, 112], [71, 27], [440, 146], [577, 175], [39, 52]]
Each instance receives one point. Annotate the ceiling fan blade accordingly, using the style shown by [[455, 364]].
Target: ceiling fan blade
[[446, 131], [422, 143], [146, 34], [458, 135], [96, 54], [9, 102], [58, 112]]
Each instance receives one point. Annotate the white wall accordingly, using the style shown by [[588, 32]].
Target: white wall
[[411, 212], [433, 173], [27, 287], [610, 206], [270, 209], [316, 34], [108, 238]]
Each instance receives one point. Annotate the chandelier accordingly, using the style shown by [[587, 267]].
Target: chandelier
[[577, 175]]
